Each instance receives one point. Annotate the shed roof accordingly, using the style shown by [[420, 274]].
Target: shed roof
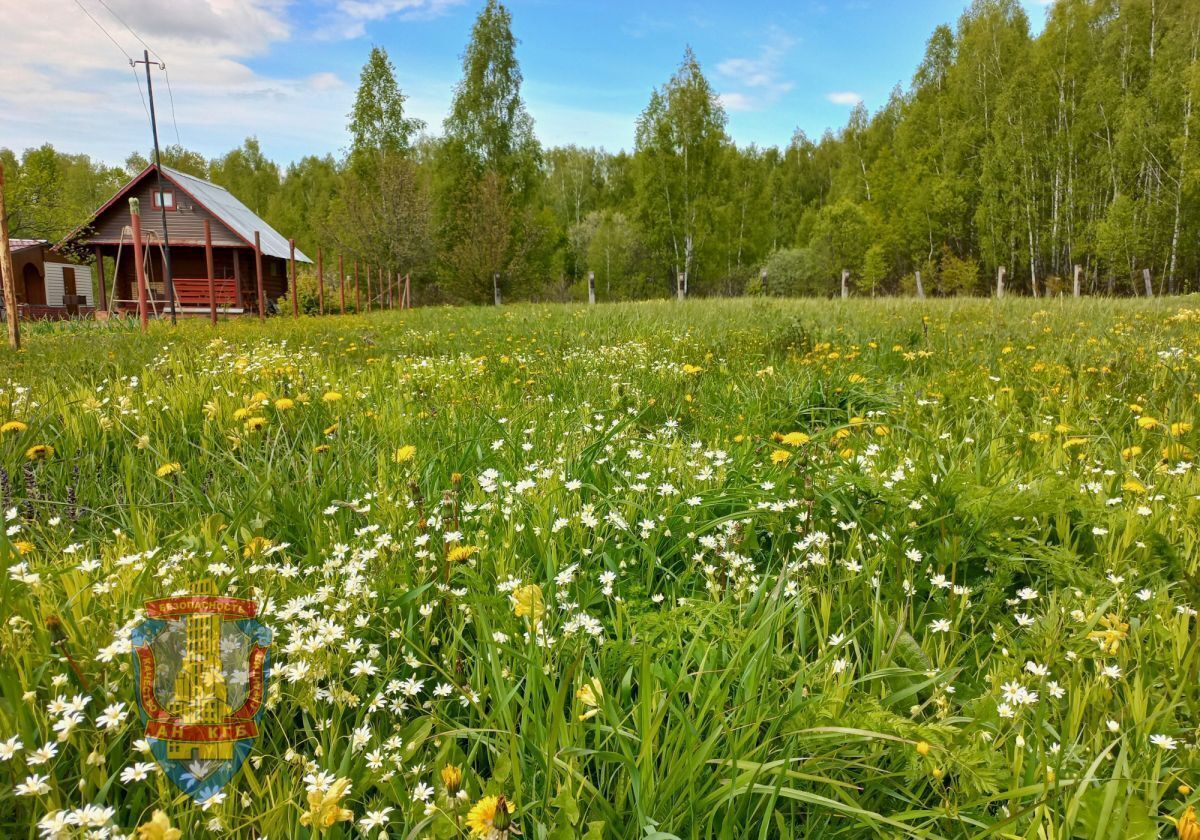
[[21, 244]]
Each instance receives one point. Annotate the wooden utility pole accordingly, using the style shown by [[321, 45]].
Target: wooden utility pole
[[407, 294], [320, 282], [920, 287], [7, 276], [342, 282], [1078, 280], [212, 274], [845, 283], [1149, 282], [1000, 272], [262, 295], [592, 288], [135, 214], [295, 294], [162, 199]]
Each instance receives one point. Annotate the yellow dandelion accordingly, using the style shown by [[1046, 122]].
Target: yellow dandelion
[[1146, 422], [40, 452], [404, 454], [324, 808], [1177, 429], [1131, 452], [1039, 437], [13, 426], [23, 546], [489, 818], [158, 827], [242, 413], [284, 404], [1132, 485], [256, 545], [320, 448], [452, 778], [794, 439], [692, 370], [167, 469], [528, 603], [459, 553], [331, 429], [255, 423], [331, 397], [1186, 826], [779, 456]]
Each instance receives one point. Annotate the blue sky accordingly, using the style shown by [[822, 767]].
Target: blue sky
[[286, 71]]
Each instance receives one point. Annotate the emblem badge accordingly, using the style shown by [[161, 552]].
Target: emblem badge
[[201, 663]]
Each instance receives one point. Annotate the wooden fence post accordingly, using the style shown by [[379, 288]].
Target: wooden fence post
[[1000, 272], [342, 283], [592, 288], [1078, 281], [103, 307], [258, 278], [762, 279], [8, 277], [320, 282], [1149, 282], [357, 291], [212, 274], [407, 293], [845, 283], [367, 271], [680, 288], [135, 215], [496, 287], [295, 294], [920, 287]]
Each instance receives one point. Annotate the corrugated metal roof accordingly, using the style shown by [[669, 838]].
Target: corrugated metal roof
[[18, 244], [240, 218]]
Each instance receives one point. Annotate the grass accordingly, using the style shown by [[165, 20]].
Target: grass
[[957, 602]]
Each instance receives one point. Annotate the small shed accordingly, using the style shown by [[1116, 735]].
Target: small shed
[[188, 202], [49, 284]]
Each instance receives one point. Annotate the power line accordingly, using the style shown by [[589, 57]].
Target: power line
[[102, 29], [161, 63], [117, 44]]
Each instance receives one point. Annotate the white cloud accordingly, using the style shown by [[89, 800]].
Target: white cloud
[[67, 83], [844, 97], [349, 18], [757, 82]]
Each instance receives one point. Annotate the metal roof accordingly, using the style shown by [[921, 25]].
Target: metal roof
[[21, 244], [237, 216]]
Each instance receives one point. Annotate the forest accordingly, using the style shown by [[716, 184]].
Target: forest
[[1037, 153]]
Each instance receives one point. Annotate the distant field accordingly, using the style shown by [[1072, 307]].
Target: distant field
[[715, 569]]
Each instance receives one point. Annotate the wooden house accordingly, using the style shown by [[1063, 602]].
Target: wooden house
[[49, 284], [189, 201]]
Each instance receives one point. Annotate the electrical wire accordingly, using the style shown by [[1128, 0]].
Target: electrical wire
[[117, 44], [161, 63]]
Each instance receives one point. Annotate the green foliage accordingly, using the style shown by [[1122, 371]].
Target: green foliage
[[378, 127]]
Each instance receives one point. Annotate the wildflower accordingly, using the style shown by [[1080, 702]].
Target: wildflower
[[34, 785], [1178, 429], [692, 370], [255, 546], [1186, 826], [331, 397], [13, 426], [1039, 437], [320, 448], [330, 429], [404, 454], [40, 452], [1130, 452], [1164, 742], [590, 694], [779, 456], [794, 439], [923, 748], [489, 818], [452, 778], [1147, 422], [167, 469], [284, 404], [941, 625], [1110, 638], [255, 423], [375, 819], [527, 602], [158, 827], [23, 546], [459, 553], [324, 807]]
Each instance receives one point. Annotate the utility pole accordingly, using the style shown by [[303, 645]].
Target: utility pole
[[162, 202]]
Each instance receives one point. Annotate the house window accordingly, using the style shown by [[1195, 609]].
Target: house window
[[166, 199]]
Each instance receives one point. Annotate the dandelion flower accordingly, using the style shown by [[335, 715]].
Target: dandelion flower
[[794, 439], [167, 469], [459, 553], [780, 455], [255, 423], [13, 426], [40, 452], [489, 818], [331, 397], [404, 454], [528, 603], [324, 807], [452, 778], [284, 404]]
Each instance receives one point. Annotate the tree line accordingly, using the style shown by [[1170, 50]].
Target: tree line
[[1074, 147]]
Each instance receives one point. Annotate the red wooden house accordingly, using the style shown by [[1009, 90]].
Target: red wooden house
[[189, 201]]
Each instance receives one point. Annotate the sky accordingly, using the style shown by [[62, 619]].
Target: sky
[[286, 71]]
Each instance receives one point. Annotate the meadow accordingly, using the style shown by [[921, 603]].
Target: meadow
[[729, 569]]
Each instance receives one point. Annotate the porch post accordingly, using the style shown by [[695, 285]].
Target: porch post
[[262, 296], [212, 279], [103, 299]]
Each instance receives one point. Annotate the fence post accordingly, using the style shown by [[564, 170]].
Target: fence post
[[342, 283], [357, 291], [320, 282], [845, 283], [592, 287], [680, 288], [295, 295], [920, 287], [8, 276], [496, 287], [1000, 272], [1149, 282], [258, 278], [762, 278], [1078, 280], [212, 274], [135, 215], [407, 293]]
